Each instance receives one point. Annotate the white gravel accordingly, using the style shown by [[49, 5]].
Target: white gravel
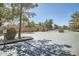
[[69, 38]]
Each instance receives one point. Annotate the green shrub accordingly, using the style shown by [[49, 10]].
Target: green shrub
[[11, 33]]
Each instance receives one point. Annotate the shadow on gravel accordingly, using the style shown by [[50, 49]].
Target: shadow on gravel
[[38, 48]]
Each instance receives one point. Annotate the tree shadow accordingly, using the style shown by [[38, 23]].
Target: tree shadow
[[38, 48]]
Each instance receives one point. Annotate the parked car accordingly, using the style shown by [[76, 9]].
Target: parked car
[[61, 30], [77, 30]]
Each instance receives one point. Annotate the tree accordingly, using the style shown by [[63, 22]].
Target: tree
[[17, 11], [74, 22], [48, 23], [65, 27], [24, 19], [56, 26], [4, 13], [40, 23], [23, 8], [14, 15], [1, 12], [31, 24], [10, 13]]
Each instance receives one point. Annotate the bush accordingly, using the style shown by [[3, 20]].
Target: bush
[[11, 33]]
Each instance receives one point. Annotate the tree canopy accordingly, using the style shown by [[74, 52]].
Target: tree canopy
[[74, 22]]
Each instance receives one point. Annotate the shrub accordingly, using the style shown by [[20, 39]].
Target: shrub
[[11, 33]]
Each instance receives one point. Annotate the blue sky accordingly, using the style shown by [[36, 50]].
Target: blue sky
[[60, 12]]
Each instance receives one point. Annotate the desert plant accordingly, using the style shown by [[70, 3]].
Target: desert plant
[[11, 33]]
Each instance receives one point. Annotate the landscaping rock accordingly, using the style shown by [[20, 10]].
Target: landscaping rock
[[37, 48]]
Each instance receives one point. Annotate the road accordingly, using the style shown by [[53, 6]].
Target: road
[[69, 38]]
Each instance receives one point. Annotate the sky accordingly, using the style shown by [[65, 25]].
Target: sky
[[60, 12]]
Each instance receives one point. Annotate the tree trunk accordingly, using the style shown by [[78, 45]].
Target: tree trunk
[[12, 13], [19, 34]]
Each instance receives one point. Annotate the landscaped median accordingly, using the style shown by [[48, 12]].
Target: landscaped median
[[9, 37]]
